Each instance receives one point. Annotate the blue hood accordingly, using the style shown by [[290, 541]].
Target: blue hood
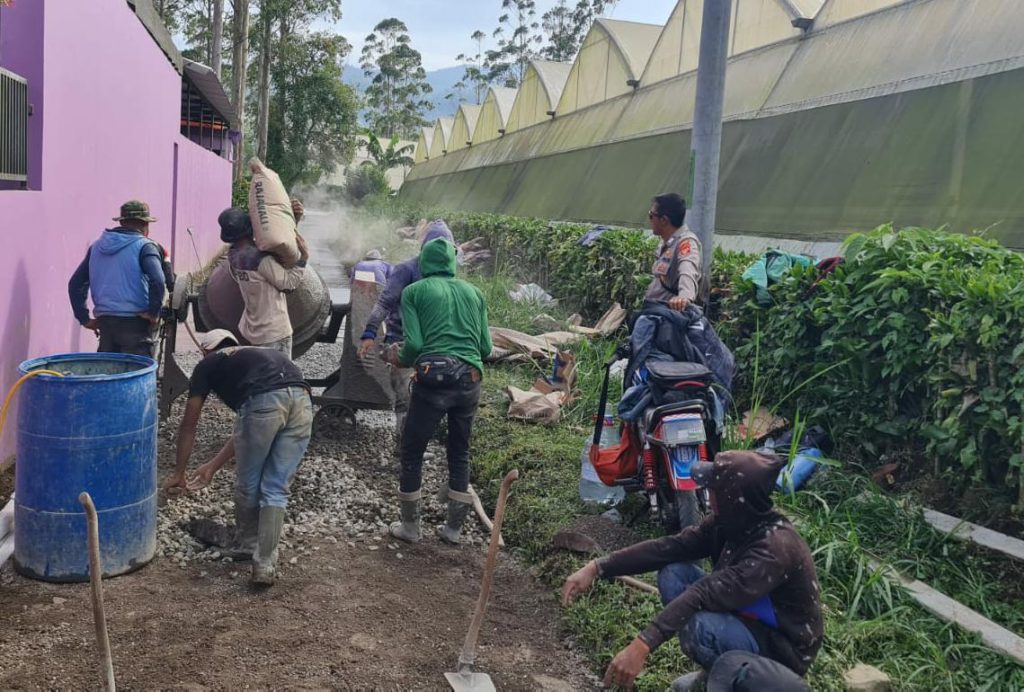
[[114, 240], [437, 229]]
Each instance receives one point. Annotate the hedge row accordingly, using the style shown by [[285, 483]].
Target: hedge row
[[614, 268], [911, 349], [913, 345]]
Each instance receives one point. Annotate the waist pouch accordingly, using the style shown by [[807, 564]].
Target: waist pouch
[[438, 372]]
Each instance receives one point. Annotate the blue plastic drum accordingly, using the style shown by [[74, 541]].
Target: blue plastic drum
[[95, 430]]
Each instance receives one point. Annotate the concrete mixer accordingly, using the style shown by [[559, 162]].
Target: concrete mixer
[[317, 314]]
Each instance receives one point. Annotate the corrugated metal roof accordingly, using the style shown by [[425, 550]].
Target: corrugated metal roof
[[207, 84], [147, 14]]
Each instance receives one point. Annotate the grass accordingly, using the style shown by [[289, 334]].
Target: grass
[[867, 618]]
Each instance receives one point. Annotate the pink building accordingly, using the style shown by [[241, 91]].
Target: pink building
[[114, 114]]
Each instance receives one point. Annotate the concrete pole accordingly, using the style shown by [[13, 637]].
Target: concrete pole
[[706, 141]]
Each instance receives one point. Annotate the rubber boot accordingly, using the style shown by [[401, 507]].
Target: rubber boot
[[458, 507], [247, 522], [264, 560], [408, 529], [691, 682]]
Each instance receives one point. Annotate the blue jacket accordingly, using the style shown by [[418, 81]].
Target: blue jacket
[[123, 271], [380, 269], [389, 304]]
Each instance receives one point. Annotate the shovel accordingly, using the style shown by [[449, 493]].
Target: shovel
[[466, 680]]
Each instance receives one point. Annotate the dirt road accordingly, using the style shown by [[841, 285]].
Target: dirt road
[[353, 618], [352, 610]]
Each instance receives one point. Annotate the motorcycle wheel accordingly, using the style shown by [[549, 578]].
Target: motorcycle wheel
[[681, 511]]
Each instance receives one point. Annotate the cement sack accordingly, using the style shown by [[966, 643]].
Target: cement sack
[[534, 406], [270, 209]]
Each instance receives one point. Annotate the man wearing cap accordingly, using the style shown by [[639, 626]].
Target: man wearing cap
[[761, 597], [372, 267], [272, 431], [123, 271], [262, 280], [388, 311]]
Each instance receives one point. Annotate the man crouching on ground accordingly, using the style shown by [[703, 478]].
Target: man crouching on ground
[[446, 340], [272, 431], [761, 597]]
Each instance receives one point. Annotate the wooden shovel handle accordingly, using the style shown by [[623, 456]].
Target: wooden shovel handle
[[468, 654], [96, 581]]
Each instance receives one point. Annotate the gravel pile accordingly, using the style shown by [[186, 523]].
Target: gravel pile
[[344, 491]]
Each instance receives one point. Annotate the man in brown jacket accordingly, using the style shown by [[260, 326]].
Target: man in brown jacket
[[762, 595]]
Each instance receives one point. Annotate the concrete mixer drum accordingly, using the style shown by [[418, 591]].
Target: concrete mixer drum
[[220, 306]]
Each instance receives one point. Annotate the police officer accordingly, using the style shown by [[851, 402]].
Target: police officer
[[677, 270]]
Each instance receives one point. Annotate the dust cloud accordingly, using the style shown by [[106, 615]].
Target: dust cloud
[[349, 232]]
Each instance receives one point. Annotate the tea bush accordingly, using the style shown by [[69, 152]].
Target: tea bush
[[912, 347], [913, 344]]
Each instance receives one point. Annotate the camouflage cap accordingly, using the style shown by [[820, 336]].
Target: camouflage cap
[[134, 209]]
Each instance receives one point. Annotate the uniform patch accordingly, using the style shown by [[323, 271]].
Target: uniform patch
[[685, 248]]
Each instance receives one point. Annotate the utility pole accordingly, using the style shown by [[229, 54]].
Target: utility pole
[[706, 141]]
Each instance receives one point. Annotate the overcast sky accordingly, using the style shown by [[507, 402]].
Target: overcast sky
[[440, 29]]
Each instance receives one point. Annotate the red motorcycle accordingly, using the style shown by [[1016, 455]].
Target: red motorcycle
[[676, 427]]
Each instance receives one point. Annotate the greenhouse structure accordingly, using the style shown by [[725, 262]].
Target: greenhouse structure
[[839, 115]]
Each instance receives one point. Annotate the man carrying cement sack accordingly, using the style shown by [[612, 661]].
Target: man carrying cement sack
[[272, 431], [388, 310], [123, 271], [274, 215], [264, 283], [446, 340]]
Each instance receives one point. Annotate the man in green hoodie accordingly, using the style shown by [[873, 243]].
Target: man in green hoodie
[[446, 340]]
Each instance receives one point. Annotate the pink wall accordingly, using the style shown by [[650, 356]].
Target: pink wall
[[110, 129]]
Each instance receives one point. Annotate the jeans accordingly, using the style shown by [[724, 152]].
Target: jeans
[[271, 435], [283, 345], [126, 335], [706, 635], [426, 407]]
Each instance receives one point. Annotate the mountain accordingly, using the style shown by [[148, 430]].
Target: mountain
[[442, 81]]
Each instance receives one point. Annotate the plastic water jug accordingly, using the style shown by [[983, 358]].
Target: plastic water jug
[[592, 490]]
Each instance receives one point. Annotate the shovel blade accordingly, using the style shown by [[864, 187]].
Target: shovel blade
[[470, 682]]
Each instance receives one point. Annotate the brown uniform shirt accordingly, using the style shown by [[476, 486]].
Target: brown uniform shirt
[[677, 268]]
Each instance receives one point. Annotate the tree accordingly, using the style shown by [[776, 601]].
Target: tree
[[280, 17], [312, 125], [217, 36], [396, 94], [239, 67], [474, 76], [388, 157], [518, 41], [171, 12], [565, 27]]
